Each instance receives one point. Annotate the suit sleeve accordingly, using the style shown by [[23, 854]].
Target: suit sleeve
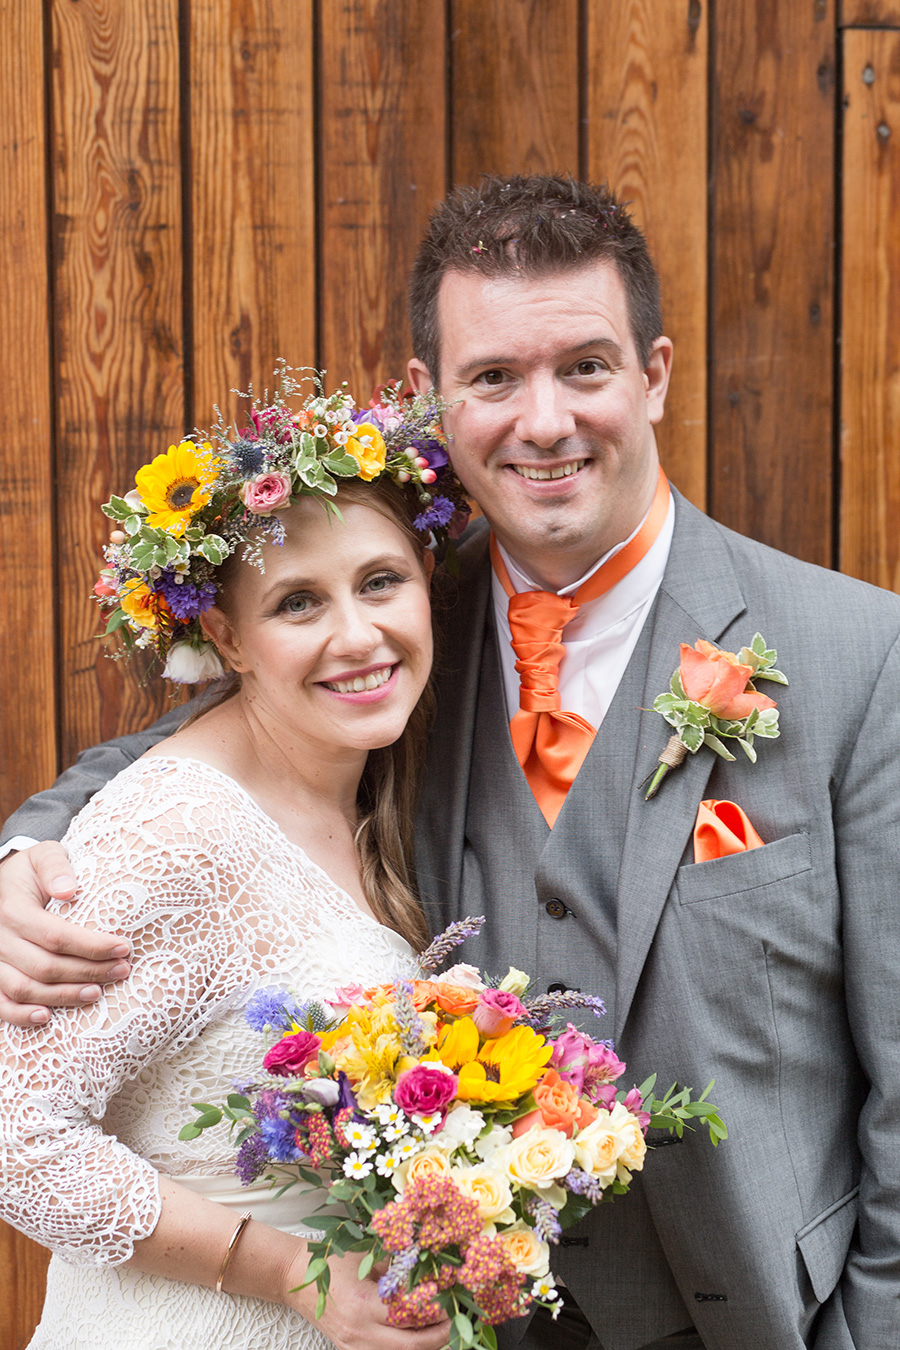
[[867, 835], [48, 814]]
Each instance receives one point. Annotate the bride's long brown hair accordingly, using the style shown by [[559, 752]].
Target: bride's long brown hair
[[388, 789]]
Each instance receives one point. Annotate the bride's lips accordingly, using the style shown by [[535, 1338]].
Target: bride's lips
[[369, 685]]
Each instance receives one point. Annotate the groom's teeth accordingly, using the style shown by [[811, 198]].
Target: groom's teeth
[[360, 682], [559, 471]]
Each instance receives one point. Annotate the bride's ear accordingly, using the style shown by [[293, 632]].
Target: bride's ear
[[218, 628]]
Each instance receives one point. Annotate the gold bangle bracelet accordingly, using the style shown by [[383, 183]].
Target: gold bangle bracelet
[[235, 1238]]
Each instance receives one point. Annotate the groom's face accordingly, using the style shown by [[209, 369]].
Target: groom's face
[[552, 413]]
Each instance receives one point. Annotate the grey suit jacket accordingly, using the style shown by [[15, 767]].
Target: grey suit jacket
[[777, 972]]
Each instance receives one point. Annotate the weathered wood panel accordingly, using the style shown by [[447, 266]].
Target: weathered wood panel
[[252, 189], [772, 359], [23, 1267], [118, 307], [514, 100], [647, 113], [382, 169], [871, 12], [870, 350], [27, 644]]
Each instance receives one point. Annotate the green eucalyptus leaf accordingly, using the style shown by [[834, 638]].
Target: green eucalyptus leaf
[[115, 621], [238, 1101], [693, 738], [191, 1131], [465, 1329], [365, 1265], [715, 744]]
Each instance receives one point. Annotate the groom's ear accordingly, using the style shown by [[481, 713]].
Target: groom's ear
[[656, 378], [419, 377]]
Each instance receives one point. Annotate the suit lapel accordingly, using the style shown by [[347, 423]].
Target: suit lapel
[[461, 614], [699, 597]]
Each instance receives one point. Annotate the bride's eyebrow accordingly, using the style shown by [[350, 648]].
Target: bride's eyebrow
[[285, 584]]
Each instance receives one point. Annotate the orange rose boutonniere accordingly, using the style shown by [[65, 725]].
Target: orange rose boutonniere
[[712, 699]]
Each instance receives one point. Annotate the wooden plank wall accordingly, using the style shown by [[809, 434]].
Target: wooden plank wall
[[188, 190]]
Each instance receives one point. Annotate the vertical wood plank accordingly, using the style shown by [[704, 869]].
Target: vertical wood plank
[[774, 231], [872, 12], [515, 87], [382, 118], [23, 1267], [870, 346], [253, 194], [647, 119], [27, 655], [117, 243]]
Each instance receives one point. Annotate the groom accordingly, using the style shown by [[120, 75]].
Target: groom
[[775, 970]]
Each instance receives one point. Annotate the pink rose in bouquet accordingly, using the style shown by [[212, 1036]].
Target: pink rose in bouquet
[[425, 1091], [290, 1056], [496, 1011]]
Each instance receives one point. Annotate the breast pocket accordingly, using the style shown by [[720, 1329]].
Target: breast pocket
[[742, 872]]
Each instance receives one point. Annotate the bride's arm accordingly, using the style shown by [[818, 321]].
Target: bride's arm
[[82, 1192]]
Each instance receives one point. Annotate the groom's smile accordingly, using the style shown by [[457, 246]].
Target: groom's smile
[[552, 415]]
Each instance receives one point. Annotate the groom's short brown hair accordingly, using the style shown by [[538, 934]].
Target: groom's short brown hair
[[531, 226]]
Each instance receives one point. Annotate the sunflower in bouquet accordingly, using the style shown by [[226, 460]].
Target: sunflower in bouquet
[[459, 1127]]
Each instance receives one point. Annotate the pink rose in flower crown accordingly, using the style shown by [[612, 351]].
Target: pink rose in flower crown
[[583, 1062], [424, 1091], [290, 1056], [266, 493], [496, 1012], [717, 680]]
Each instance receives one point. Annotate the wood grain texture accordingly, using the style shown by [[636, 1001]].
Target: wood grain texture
[[514, 94], [771, 470], [870, 362], [253, 194], [382, 135], [118, 276], [647, 118], [23, 1269], [874, 13], [27, 641]]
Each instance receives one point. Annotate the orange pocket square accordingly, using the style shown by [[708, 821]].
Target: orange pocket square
[[722, 828]]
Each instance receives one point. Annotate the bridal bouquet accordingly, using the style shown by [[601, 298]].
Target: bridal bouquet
[[459, 1127]]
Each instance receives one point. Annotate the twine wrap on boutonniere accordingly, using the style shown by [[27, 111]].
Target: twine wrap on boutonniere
[[712, 699]]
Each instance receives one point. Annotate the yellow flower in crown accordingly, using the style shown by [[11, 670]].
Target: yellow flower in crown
[[143, 606], [502, 1070], [368, 449], [176, 485]]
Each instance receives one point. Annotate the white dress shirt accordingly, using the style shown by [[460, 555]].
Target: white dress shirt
[[600, 639]]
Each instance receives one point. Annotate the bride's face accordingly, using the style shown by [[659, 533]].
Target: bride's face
[[333, 640]]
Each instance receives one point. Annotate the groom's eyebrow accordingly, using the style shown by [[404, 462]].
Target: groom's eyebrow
[[602, 344]]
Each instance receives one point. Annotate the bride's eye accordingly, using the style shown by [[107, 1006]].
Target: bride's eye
[[300, 603], [383, 582]]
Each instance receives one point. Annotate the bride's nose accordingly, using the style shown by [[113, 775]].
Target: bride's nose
[[354, 631]]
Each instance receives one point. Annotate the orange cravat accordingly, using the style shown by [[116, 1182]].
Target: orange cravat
[[551, 744]]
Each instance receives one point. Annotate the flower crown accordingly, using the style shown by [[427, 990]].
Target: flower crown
[[194, 505]]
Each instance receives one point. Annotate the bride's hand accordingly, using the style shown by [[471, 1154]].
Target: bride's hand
[[355, 1317]]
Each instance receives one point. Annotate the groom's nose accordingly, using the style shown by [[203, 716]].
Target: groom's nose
[[543, 414]]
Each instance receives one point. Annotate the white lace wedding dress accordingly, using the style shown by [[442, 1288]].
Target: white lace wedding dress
[[217, 902]]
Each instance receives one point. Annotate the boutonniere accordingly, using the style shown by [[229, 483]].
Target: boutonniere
[[713, 700]]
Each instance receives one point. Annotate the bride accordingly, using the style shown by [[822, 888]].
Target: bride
[[264, 843]]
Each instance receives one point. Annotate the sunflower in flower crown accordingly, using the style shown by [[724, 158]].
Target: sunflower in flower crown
[[176, 485]]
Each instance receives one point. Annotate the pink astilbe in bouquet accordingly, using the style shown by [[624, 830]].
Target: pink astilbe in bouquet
[[457, 1127]]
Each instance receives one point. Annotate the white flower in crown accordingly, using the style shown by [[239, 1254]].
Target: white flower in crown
[[387, 1163], [389, 1113], [407, 1147], [431, 1122]]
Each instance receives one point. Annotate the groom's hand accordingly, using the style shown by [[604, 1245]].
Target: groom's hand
[[45, 961]]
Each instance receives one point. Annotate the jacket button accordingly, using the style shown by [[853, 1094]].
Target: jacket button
[[556, 987], [556, 909]]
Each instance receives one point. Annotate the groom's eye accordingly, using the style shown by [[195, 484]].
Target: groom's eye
[[492, 377]]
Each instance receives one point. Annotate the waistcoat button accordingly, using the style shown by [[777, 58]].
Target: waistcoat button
[[557, 987], [556, 909]]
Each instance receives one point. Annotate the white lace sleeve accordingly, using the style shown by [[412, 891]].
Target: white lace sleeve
[[154, 863]]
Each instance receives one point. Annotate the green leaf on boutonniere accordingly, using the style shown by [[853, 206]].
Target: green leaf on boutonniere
[[715, 744]]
